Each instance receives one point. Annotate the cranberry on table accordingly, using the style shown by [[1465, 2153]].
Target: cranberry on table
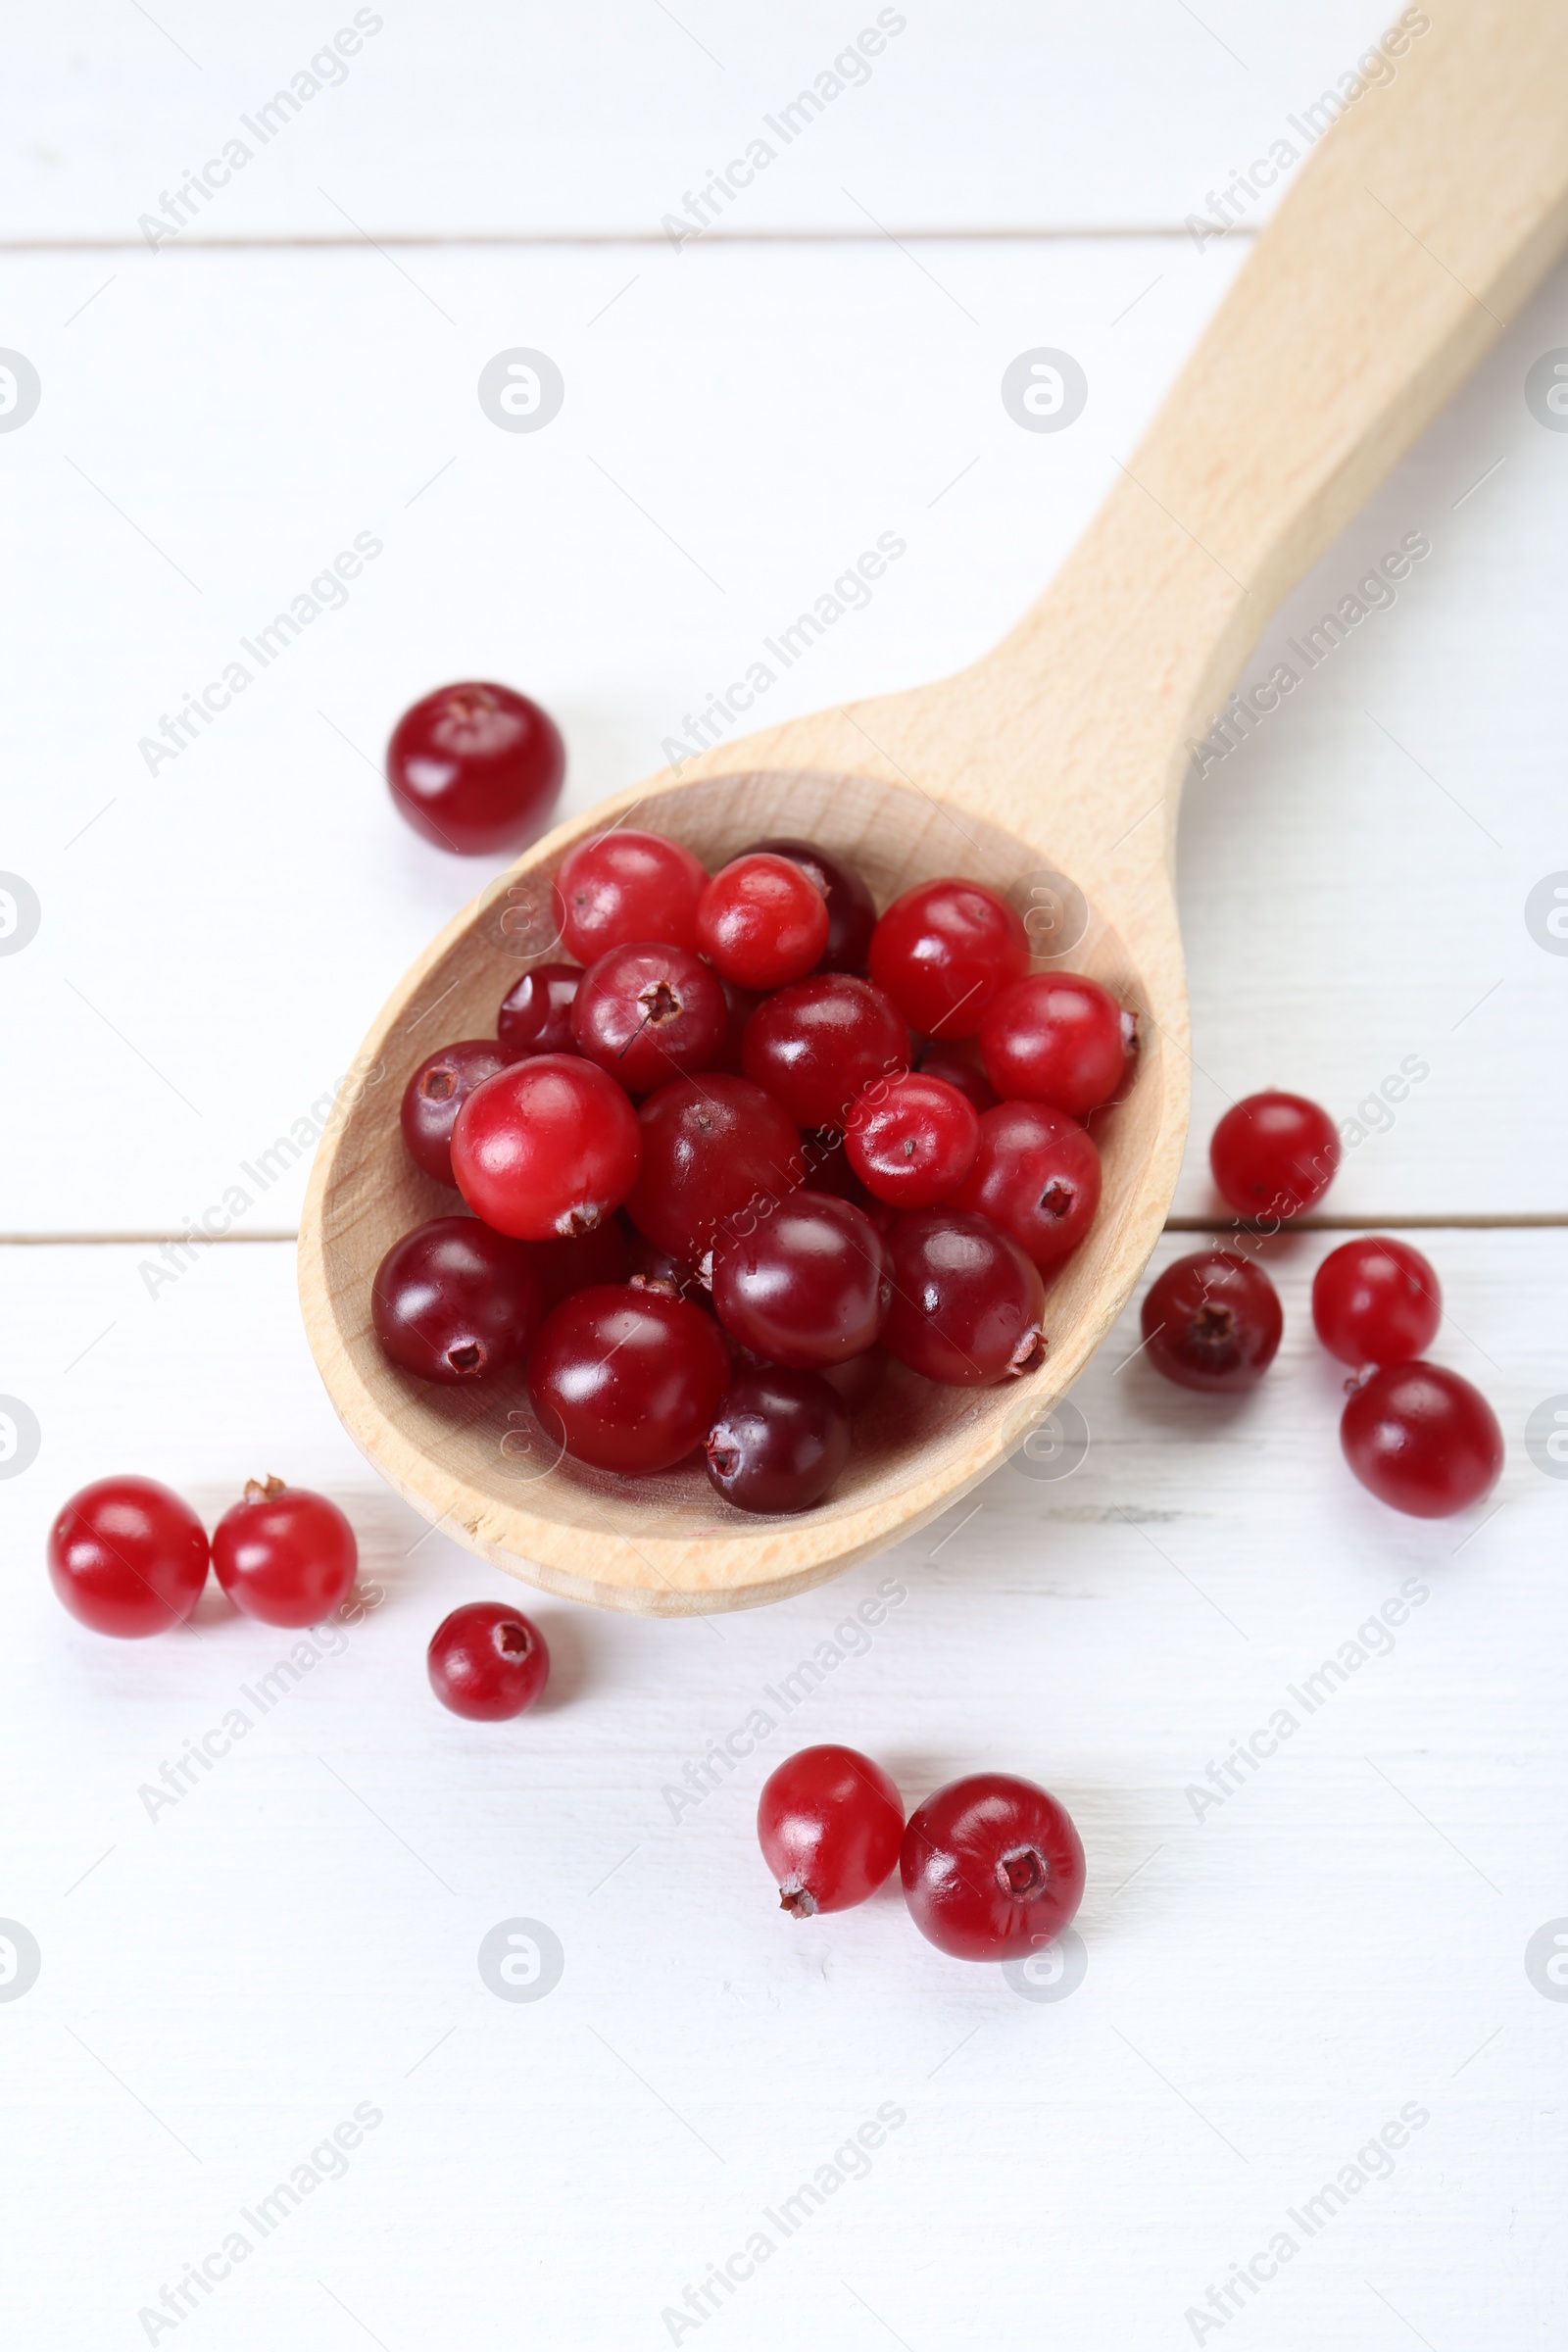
[[1274, 1154], [968, 1307], [850, 907], [285, 1555], [535, 1014], [992, 1867], [912, 1139], [1421, 1440], [648, 1013], [580, 1260], [807, 1286], [547, 1148], [452, 1301], [437, 1091], [627, 1379], [1037, 1175], [487, 1661], [623, 885], [715, 1150], [1212, 1321], [819, 1043], [1056, 1038], [778, 1441], [944, 950], [128, 1556], [476, 768], [960, 1066], [1376, 1300], [762, 921], [829, 1822]]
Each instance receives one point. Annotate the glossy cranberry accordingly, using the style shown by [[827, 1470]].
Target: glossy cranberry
[[648, 1015], [715, 1150], [1056, 1038], [581, 1259], [967, 1306], [807, 1286], [944, 950], [437, 1091], [626, 1379], [454, 1301], [762, 921], [1273, 1155], [1376, 1300], [992, 1868], [858, 1379], [650, 1268], [1037, 1175], [1212, 1321], [487, 1661], [828, 1169], [1421, 1440], [912, 1139], [621, 887], [285, 1555], [818, 1045], [546, 1149], [850, 907], [128, 1556], [829, 1823], [535, 1015], [476, 768], [960, 1064], [778, 1441]]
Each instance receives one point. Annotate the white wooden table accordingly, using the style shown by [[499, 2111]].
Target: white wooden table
[[1280, 1963]]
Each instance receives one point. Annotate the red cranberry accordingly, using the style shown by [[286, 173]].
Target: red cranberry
[[992, 1868], [960, 1064], [546, 1149], [1057, 1038], [829, 1823], [778, 1441], [487, 1661], [580, 1260], [535, 1015], [818, 1045], [454, 1301], [621, 887], [285, 1555], [1212, 1321], [912, 1139], [128, 1556], [1421, 1440], [944, 950], [1273, 1155], [967, 1306], [1036, 1175], [436, 1093], [627, 1379], [715, 1148], [850, 907], [1376, 1300], [762, 921], [858, 1379], [805, 1287], [648, 1015], [476, 768]]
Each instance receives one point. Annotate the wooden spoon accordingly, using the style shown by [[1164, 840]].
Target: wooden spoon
[[1413, 233]]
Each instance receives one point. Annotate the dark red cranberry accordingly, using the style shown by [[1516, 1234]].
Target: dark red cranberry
[[580, 1260], [1376, 1300], [967, 1306], [487, 1661], [960, 1064], [547, 1148], [992, 1867], [623, 885], [535, 1015], [1421, 1440], [1057, 1038], [805, 1285], [715, 1150], [912, 1138], [818, 1045], [1212, 1321], [762, 921], [647, 1015], [944, 950], [850, 907], [454, 1301], [626, 1379], [1274, 1156], [778, 1441], [437, 1091], [829, 1823], [476, 768], [1036, 1175]]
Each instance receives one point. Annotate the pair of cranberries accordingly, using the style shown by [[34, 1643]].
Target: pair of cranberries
[[129, 1556]]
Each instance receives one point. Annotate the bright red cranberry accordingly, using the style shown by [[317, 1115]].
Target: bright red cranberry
[[285, 1555], [535, 1015], [453, 1301], [648, 1015], [960, 1064], [581, 1259], [1057, 1038], [807, 1286], [992, 1868], [829, 1823], [1212, 1321], [858, 1379], [487, 1661], [627, 1379], [912, 1140], [818, 1045], [967, 1306], [1037, 1175], [1273, 1155], [476, 768], [1376, 1300], [778, 1441], [437, 1091], [715, 1150], [944, 950], [621, 887], [128, 1556], [546, 1149], [850, 907], [1421, 1440], [763, 920]]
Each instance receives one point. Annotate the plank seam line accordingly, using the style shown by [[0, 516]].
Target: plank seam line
[[428, 239]]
